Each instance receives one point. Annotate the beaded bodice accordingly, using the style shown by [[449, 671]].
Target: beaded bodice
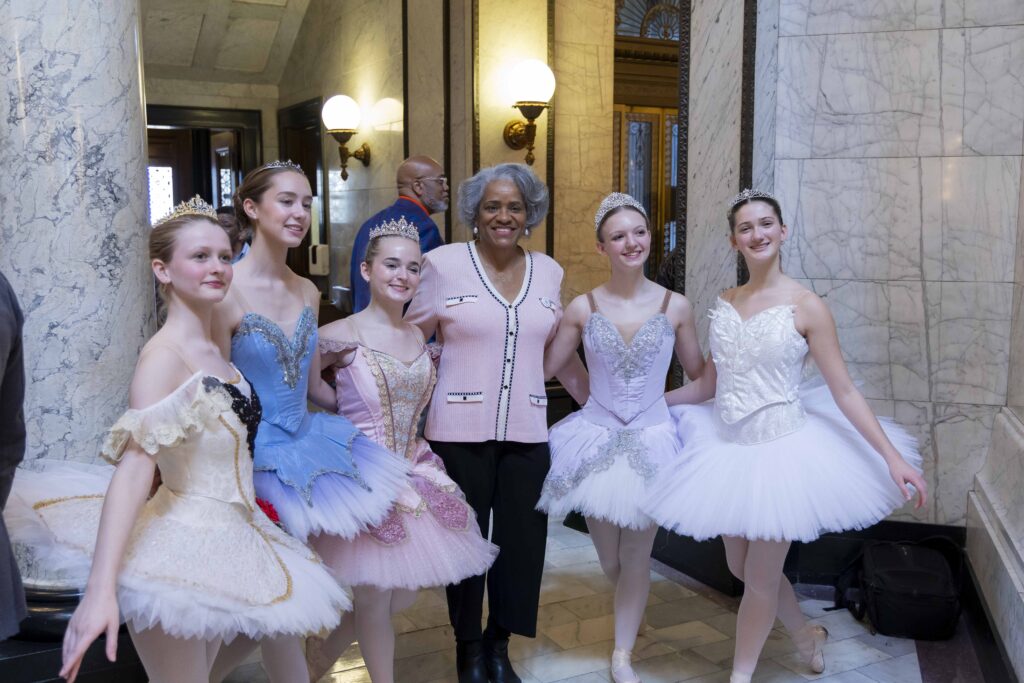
[[760, 364], [277, 366], [383, 396], [626, 379]]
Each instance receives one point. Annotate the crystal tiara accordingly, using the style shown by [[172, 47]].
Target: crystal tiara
[[196, 206], [287, 163], [396, 228], [749, 194], [613, 201]]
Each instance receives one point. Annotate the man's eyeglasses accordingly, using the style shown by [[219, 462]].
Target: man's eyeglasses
[[439, 178]]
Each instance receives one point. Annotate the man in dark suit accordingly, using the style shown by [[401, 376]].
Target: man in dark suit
[[422, 190], [12, 450]]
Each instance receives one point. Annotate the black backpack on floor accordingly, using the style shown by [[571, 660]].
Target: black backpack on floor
[[908, 590]]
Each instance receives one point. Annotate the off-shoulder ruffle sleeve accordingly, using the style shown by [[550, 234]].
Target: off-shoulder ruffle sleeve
[[336, 346], [190, 408]]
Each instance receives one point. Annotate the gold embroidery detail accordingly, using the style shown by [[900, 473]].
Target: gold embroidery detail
[[53, 501]]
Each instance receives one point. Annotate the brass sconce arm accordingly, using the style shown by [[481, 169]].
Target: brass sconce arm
[[519, 134], [362, 153]]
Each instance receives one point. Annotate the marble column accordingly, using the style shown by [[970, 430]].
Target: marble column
[[73, 239]]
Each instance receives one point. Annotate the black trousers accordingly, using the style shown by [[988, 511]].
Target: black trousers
[[503, 477]]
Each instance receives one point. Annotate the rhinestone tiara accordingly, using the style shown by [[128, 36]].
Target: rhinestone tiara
[[196, 206], [396, 228], [749, 194], [614, 201], [278, 163]]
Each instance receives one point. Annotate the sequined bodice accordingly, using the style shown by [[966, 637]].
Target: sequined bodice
[[385, 397], [760, 363], [627, 379], [278, 367]]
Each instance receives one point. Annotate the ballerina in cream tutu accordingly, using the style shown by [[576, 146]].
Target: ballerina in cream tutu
[[198, 563], [777, 458], [604, 457]]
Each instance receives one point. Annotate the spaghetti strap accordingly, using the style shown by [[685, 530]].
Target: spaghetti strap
[[664, 302], [176, 350], [593, 304]]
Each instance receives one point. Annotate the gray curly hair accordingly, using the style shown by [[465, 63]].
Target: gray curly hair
[[534, 192]]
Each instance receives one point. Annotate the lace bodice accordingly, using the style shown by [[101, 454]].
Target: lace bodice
[[277, 366], [383, 396], [627, 379], [760, 363], [199, 436]]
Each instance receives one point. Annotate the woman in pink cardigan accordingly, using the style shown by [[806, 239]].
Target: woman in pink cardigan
[[494, 307]]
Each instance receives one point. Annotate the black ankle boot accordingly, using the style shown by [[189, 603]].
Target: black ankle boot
[[499, 668], [469, 661]]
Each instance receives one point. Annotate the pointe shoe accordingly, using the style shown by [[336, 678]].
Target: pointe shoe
[[316, 660], [736, 677], [817, 635], [622, 667]]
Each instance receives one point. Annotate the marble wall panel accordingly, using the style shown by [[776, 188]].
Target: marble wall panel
[[583, 66], [797, 94], [983, 90], [809, 17], [426, 79], [970, 207], [1002, 476], [882, 333], [961, 435], [766, 65], [851, 218], [917, 417], [969, 340], [716, 61], [983, 12], [868, 108]]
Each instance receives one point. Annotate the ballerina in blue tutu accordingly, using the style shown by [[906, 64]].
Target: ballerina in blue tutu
[[326, 481]]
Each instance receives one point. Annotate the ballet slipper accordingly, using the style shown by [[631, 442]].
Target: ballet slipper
[[737, 677], [811, 641], [622, 669]]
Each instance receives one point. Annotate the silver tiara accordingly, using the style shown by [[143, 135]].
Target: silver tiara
[[396, 228], [277, 163], [749, 194], [616, 200], [196, 206]]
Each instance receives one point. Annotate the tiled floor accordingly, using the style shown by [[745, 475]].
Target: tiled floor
[[688, 635]]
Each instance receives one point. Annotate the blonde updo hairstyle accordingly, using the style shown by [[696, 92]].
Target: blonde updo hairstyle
[[162, 239]]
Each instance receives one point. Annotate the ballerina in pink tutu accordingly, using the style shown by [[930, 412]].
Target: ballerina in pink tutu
[[431, 536]]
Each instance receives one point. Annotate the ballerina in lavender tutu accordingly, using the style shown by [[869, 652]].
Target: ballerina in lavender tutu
[[604, 457], [777, 457]]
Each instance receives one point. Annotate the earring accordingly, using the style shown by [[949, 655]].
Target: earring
[[475, 230], [526, 232]]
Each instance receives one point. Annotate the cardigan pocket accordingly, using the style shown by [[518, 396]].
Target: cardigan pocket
[[465, 397], [538, 399], [460, 299]]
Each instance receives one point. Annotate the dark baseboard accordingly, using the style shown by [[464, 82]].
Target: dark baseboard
[[23, 661], [992, 656]]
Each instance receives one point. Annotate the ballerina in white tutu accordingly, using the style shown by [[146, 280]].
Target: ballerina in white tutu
[[199, 563], [604, 456], [777, 458]]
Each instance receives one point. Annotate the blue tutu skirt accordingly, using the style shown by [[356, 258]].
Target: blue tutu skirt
[[326, 477]]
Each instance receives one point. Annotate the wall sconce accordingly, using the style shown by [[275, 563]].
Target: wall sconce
[[531, 85], [341, 118]]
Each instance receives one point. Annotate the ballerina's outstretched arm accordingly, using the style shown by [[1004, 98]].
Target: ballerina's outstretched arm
[[814, 321], [159, 372]]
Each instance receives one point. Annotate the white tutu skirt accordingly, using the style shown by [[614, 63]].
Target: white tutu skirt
[[604, 473], [822, 477], [195, 567]]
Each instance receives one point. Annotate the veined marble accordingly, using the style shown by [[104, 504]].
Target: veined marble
[[73, 240], [984, 12], [809, 17], [969, 207], [983, 90], [766, 65], [852, 218]]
